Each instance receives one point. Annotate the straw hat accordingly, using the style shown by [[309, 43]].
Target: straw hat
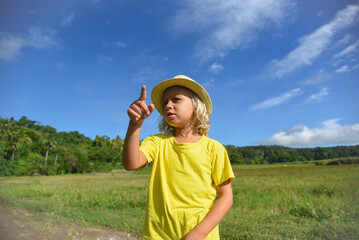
[[184, 81]]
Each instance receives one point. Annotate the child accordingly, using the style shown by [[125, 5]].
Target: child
[[189, 169]]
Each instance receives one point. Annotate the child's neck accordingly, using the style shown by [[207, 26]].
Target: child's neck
[[186, 136]]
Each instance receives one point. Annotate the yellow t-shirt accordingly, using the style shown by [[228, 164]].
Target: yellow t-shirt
[[182, 187]]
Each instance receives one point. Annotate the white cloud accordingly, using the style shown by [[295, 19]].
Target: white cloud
[[104, 58], [147, 74], [39, 38], [313, 45], [321, 77], [343, 69], [209, 83], [343, 41], [348, 50], [215, 68], [60, 66], [277, 100], [318, 96], [121, 44], [67, 19], [11, 46], [329, 132], [227, 25]]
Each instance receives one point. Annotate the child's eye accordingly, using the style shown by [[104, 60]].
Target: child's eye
[[165, 103], [176, 99]]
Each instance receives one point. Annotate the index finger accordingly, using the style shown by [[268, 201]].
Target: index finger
[[143, 93]]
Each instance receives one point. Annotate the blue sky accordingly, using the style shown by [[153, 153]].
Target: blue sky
[[280, 72]]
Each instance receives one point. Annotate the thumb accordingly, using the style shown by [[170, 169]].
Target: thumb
[[151, 107]]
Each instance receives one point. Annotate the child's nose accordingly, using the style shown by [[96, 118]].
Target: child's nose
[[169, 105]]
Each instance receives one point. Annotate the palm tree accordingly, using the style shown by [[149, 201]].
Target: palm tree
[[117, 144], [102, 141], [16, 138], [97, 141], [49, 145]]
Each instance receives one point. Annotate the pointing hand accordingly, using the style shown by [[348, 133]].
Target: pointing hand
[[139, 111]]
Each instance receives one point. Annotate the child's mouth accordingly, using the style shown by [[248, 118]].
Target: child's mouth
[[170, 115]]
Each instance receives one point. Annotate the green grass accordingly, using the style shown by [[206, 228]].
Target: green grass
[[288, 202], [116, 200], [275, 165], [270, 201]]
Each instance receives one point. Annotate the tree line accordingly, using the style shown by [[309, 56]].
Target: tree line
[[280, 154], [27, 147]]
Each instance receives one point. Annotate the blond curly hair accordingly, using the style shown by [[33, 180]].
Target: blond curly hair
[[201, 116]]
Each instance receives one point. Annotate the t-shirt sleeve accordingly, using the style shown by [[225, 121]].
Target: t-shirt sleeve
[[148, 147], [221, 166]]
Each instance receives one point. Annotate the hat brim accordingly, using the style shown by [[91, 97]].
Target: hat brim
[[158, 90]]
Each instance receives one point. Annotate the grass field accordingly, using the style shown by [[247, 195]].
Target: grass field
[[270, 202]]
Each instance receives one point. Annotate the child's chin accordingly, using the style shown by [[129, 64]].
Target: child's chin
[[170, 123]]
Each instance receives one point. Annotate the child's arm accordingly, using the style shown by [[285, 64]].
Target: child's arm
[[132, 157], [217, 213]]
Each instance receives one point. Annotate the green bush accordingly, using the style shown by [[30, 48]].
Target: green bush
[[338, 161], [4, 167]]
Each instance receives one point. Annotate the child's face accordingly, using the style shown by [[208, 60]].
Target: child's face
[[178, 109]]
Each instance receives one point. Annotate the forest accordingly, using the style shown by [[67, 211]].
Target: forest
[[27, 148]]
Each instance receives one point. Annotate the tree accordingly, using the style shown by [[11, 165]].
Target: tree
[[117, 144], [23, 121], [16, 138], [49, 145], [98, 141]]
